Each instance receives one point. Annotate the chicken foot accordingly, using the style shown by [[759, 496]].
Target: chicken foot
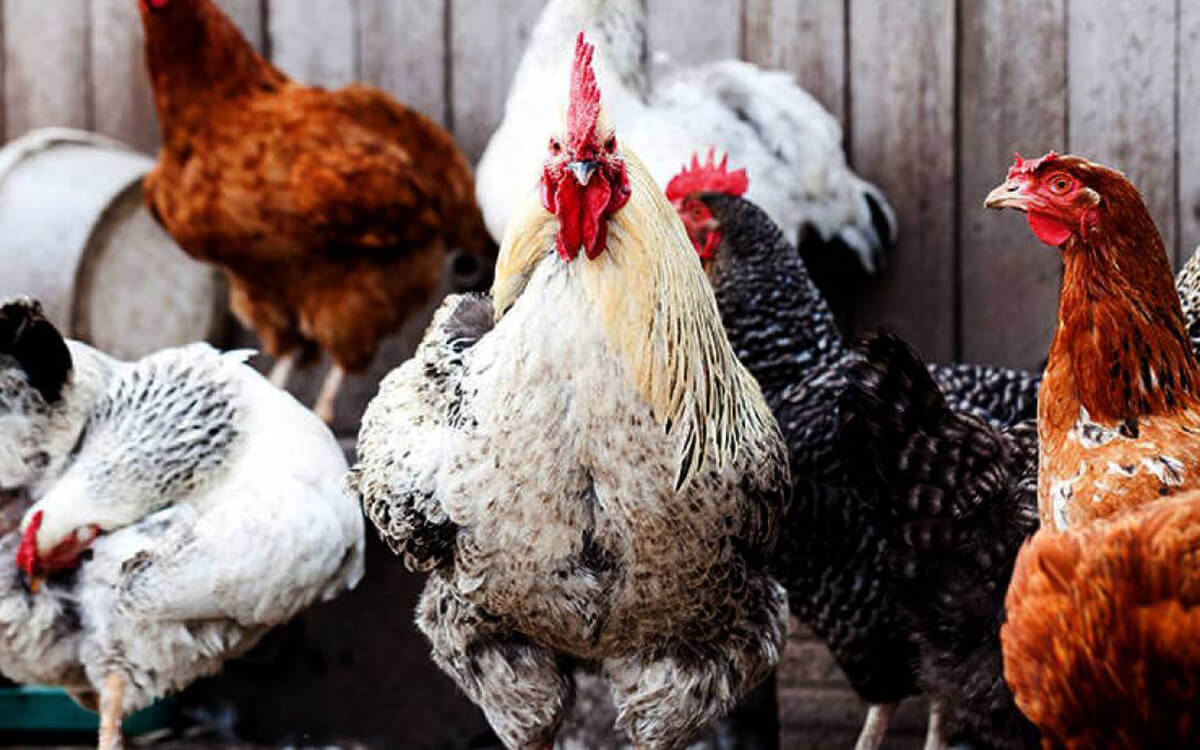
[[875, 727], [112, 697], [282, 370], [329, 392]]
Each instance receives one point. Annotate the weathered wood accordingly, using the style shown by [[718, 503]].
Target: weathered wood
[[1121, 68], [404, 53], [1189, 130], [1012, 98], [486, 45], [46, 65], [806, 39], [121, 96], [248, 15], [690, 32], [314, 41], [902, 117]]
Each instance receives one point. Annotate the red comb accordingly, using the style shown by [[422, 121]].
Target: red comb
[[707, 178], [1022, 166], [584, 110], [27, 551]]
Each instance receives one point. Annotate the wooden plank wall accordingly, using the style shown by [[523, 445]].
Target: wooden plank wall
[[934, 96]]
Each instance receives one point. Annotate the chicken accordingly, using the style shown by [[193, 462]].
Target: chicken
[[1118, 419], [331, 213], [1102, 643], [835, 550], [962, 497], [580, 462], [791, 145], [172, 510]]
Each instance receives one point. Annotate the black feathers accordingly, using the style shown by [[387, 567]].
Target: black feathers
[[962, 496], [32, 340]]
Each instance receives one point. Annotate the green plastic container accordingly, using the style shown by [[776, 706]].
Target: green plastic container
[[49, 709]]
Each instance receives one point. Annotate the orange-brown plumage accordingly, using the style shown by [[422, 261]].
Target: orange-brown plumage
[[1102, 640], [1118, 414], [330, 211]]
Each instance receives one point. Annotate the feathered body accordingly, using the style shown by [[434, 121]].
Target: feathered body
[[331, 212], [181, 507], [1102, 645], [837, 548], [594, 479], [790, 144], [961, 497]]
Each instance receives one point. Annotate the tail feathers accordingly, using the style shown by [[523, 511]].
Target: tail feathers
[[36, 345], [873, 235]]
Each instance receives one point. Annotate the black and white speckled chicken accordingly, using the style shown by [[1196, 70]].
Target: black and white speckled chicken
[[160, 515], [582, 464], [962, 494], [834, 555]]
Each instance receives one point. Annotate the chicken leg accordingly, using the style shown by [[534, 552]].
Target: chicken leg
[[282, 370], [934, 739], [329, 392], [875, 727], [112, 697]]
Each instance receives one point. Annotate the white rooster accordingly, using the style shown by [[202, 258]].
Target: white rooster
[[583, 464], [173, 510], [790, 145]]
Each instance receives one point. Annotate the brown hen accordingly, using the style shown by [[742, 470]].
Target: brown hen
[[1118, 415], [331, 212], [1102, 643]]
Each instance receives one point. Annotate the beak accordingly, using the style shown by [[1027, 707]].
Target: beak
[[1010, 194], [34, 583], [583, 171]]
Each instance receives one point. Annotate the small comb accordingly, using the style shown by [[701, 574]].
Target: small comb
[[583, 113], [1023, 166], [27, 551], [707, 177]]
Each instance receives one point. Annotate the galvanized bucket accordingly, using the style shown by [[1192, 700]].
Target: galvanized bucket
[[76, 234]]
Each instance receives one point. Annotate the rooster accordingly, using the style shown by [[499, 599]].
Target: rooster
[[791, 145], [162, 515], [1118, 416], [330, 212], [580, 462], [835, 550]]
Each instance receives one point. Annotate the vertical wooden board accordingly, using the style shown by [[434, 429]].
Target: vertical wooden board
[[122, 99], [486, 45], [404, 53], [1012, 97], [691, 32], [314, 41], [806, 39], [1121, 68], [45, 64], [1189, 130], [248, 15], [902, 122]]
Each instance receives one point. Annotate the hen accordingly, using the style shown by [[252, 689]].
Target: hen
[[790, 144], [1117, 415], [330, 212], [834, 554], [592, 478], [961, 495], [172, 509]]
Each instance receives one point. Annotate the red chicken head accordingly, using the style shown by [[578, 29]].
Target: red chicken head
[[63, 555], [685, 188], [1052, 193], [584, 181]]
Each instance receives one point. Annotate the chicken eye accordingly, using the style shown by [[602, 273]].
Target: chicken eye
[[1061, 184], [611, 144], [555, 146]]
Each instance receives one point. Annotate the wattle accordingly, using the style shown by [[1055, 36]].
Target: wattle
[[1048, 229], [581, 214]]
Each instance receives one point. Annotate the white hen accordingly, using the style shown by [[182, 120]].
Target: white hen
[[175, 509], [790, 145]]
